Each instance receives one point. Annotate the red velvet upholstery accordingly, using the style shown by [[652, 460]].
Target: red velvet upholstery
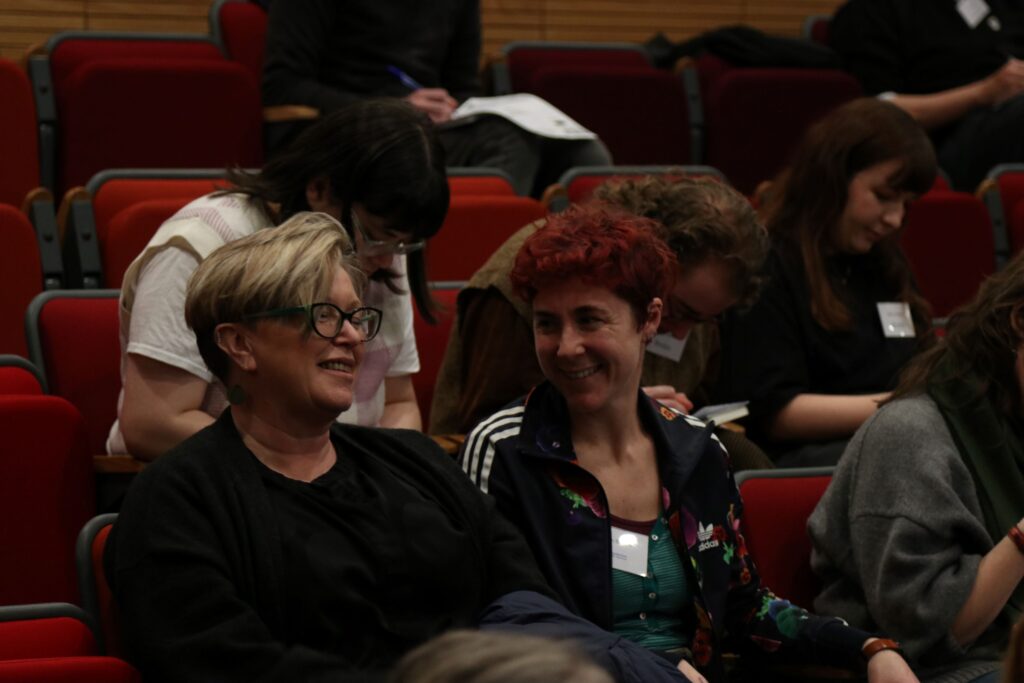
[[97, 599], [165, 113], [754, 118], [948, 241], [243, 27], [18, 380], [68, 670], [116, 194], [524, 60], [474, 228], [45, 637], [775, 528], [78, 339], [46, 495], [1011, 194], [431, 341], [479, 185], [22, 276], [128, 233], [639, 112], [19, 139]]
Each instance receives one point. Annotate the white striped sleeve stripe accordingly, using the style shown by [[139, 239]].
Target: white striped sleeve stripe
[[488, 457], [479, 439]]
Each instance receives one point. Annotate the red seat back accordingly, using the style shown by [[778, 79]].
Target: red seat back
[[580, 183], [776, 505], [116, 194], [143, 113], [43, 636], [22, 277], [74, 340], [19, 137], [462, 185], [1011, 195], [46, 495], [128, 233], [243, 32], [431, 341], [67, 669], [474, 228], [523, 60], [18, 376], [948, 241], [755, 117], [97, 598], [639, 112]]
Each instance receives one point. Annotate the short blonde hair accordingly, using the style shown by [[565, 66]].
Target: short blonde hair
[[497, 657], [293, 264]]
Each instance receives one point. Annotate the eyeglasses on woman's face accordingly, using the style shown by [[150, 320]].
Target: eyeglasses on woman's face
[[372, 246], [326, 319]]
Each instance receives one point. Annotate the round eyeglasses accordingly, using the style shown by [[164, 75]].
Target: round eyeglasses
[[392, 246], [326, 319]]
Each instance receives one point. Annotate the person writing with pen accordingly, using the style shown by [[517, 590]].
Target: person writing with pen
[[324, 55]]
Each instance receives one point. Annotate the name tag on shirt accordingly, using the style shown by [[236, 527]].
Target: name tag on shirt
[[667, 346], [897, 322], [629, 551], [972, 11]]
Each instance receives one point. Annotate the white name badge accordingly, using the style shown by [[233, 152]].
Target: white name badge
[[667, 346], [972, 11], [897, 322], [629, 551]]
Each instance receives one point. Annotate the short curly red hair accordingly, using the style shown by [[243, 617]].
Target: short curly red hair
[[601, 246]]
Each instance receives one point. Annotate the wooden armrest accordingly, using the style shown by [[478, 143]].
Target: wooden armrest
[[451, 443], [64, 212], [289, 112], [116, 464]]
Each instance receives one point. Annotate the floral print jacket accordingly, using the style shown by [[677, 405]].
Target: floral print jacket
[[523, 456]]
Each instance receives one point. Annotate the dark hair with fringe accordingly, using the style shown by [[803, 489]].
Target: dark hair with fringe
[[806, 202], [381, 153]]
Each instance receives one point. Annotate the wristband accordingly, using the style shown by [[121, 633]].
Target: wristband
[[1017, 536], [876, 646]]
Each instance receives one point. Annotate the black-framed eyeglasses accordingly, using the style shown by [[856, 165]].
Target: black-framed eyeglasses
[[392, 246], [326, 319]]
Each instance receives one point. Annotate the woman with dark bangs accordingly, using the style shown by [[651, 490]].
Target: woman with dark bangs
[[630, 508], [377, 167], [839, 315]]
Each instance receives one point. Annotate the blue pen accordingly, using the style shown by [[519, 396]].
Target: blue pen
[[407, 80]]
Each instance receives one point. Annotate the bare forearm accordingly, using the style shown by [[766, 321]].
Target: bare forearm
[[149, 439], [401, 410], [938, 109], [817, 417], [998, 575]]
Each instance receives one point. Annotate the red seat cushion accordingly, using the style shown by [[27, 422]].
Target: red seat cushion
[[45, 637], [67, 669]]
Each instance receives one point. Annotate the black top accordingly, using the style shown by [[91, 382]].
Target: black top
[[923, 46], [224, 570], [326, 53], [777, 350]]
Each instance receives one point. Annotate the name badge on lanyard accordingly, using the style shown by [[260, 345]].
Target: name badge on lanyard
[[897, 323], [667, 346], [972, 11], [629, 551]]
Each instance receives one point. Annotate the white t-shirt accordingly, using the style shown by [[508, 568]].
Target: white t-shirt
[[157, 327]]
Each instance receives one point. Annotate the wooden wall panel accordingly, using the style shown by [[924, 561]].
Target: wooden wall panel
[[24, 22]]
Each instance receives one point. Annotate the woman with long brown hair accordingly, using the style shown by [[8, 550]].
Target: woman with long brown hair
[[911, 536], [839, 315]]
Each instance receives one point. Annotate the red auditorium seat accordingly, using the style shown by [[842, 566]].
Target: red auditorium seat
[[97, 598], [240, 28], [73, 340], [754, 117], [479, 181], [19, 140], [474, 228], [640, 113], [46, 495], [22, 277], [68, 670], [524, 58], [776, 505], [431, 341], [18, 376], [43, 630], [1002, 191], [949, 244]]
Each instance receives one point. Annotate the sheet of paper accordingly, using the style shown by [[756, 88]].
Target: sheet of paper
[[529, 112], [668, 346]]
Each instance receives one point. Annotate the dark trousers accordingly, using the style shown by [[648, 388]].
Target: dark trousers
[[982, 139]]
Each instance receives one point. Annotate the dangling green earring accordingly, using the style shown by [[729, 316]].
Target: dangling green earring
[[236, 395]]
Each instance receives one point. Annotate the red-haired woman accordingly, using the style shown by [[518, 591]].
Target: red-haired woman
[[629, 507], [839, 315]]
